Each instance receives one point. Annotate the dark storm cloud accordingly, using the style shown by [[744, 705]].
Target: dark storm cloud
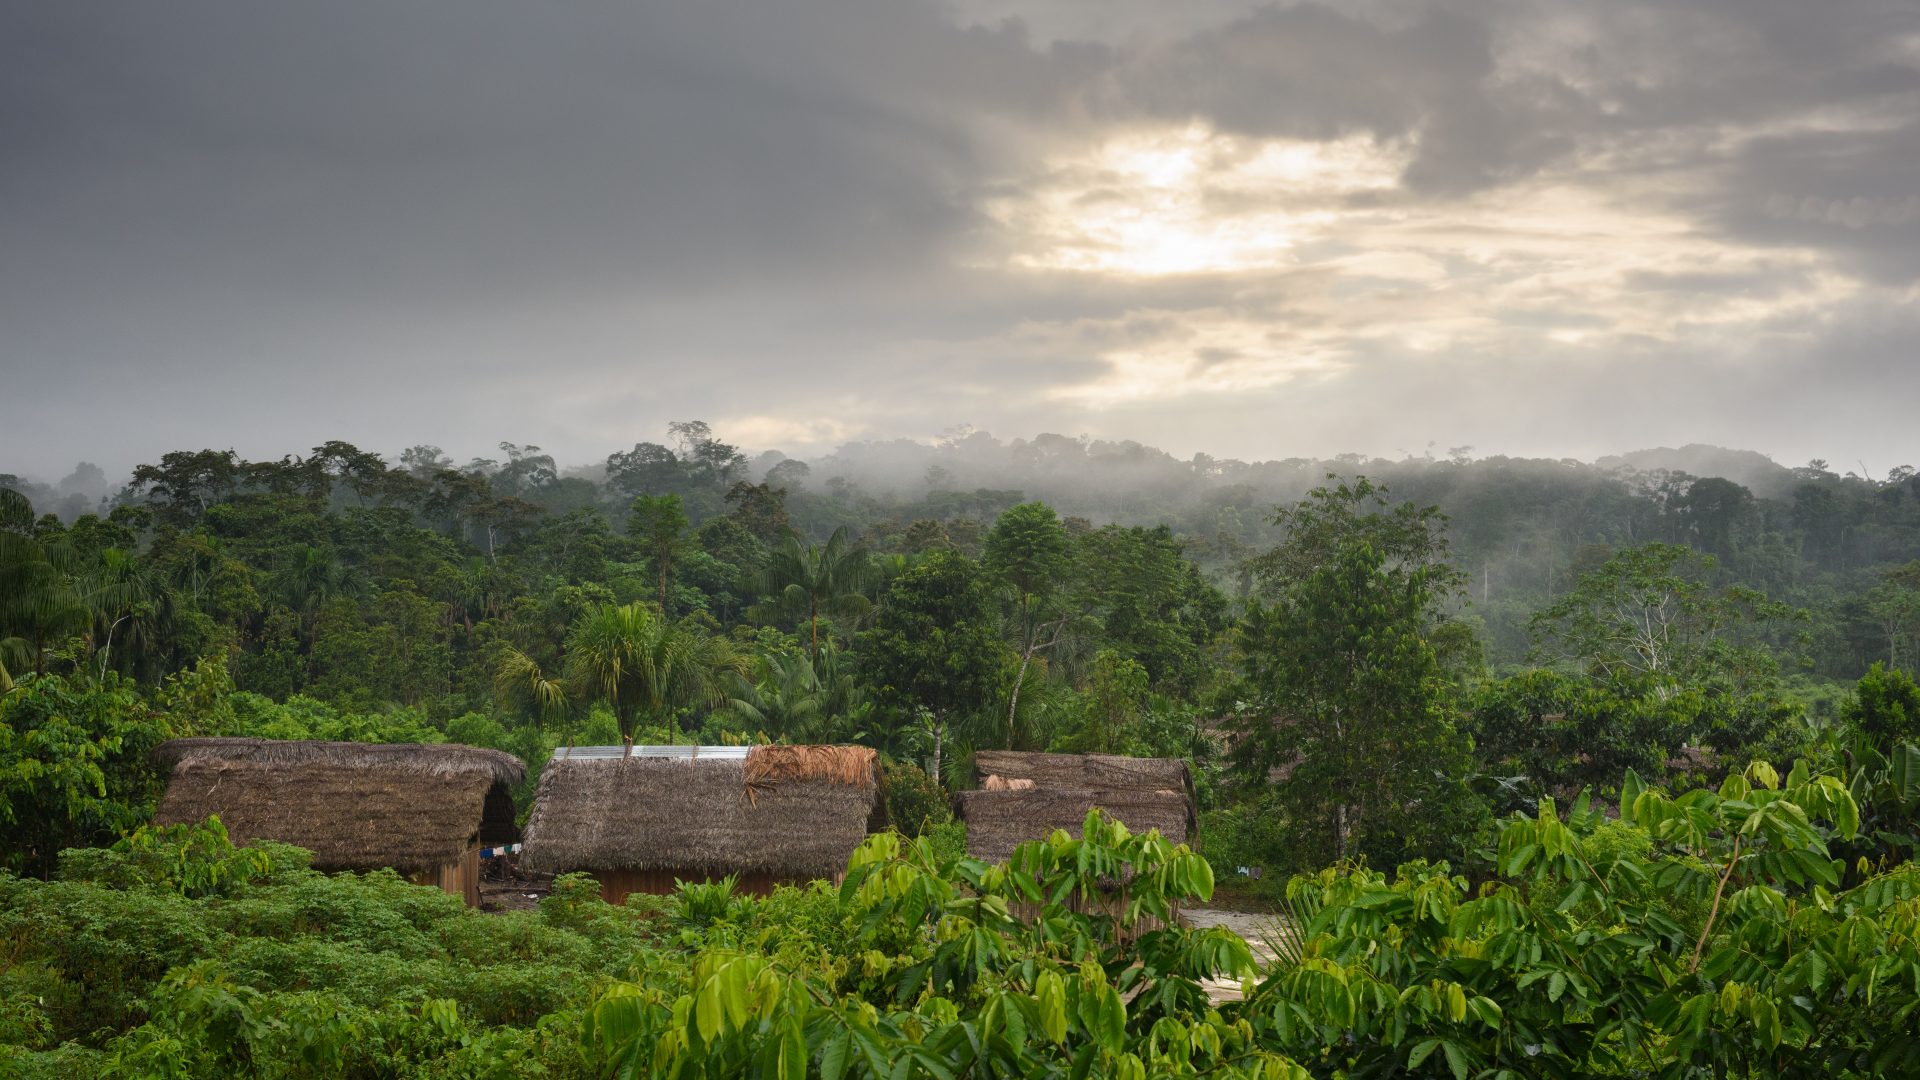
[[265, 226]]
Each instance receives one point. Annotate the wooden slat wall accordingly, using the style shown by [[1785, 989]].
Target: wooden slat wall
[[461, 877]]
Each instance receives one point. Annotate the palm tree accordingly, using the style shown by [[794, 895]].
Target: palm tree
[[39, 601], [131, 605], [785, 698], [520, 682], [636, 661], [312, 577], [803, 582]]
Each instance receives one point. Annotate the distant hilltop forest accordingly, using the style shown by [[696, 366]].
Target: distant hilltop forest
[[1522, 530]]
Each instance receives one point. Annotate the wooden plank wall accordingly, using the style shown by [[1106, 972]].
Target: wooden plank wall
[[461, 877]]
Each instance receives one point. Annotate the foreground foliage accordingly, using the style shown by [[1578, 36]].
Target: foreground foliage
[[1710, 933]]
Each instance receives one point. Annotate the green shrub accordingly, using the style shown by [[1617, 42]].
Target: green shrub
[[948, 840], [700, 904], [914, 802]]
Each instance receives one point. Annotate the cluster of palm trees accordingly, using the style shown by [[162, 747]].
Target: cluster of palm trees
[[51, 593], [646, 667]]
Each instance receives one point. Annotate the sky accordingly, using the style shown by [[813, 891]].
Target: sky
[[1533, 227]]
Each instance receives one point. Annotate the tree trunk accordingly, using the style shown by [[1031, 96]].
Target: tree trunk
[[939, 737], [1013, 707]]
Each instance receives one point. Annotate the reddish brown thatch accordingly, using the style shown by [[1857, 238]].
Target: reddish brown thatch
[[852, 766], [356, 806], [787, 812]]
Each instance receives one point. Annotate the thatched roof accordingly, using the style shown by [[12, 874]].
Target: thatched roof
[[1027, 796], [788, 811], [997, 821], [356, 806], [1106, 772]]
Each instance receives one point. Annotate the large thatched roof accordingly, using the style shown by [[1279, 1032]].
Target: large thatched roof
[[998, 821], [356, 806], [785, 811], [1028, 796]]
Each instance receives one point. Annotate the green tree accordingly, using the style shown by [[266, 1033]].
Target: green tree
[[1894, 605], [761, 509], [933, 649], [785, 698], [1345, 689], [802, 582], [1884, 707], [73, 768], [659, 523], [40, 603], [1651, 615], [1151, 603], [1029, 555], [1113, 709], [642, 665]]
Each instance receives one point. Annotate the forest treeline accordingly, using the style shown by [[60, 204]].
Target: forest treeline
[[1369, 665], [1523, 530]]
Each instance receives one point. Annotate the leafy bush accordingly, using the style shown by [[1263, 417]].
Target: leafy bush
[[194, 859], [73, 767], [914, 802], [700, 904]]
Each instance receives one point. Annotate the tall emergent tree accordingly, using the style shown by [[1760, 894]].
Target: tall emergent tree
[[1028, 554], [933, 648], [1345, 691], [1652, 616], [659, 523]]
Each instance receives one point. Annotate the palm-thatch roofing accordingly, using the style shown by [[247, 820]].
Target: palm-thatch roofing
[[1102, 771], [999, 821], [356, 806], [1027, 796], [786, 811]]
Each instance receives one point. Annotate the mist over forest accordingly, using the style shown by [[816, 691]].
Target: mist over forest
[[1819, 536]]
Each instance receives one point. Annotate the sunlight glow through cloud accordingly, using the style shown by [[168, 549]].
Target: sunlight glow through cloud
[[1333, 264], [1189, 201]]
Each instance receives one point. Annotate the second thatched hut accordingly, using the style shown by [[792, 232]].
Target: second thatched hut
[[639, 820], [422, 809], [1026, 797]]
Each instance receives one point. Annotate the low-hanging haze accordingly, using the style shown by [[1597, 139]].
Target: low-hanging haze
[[1538, 227]]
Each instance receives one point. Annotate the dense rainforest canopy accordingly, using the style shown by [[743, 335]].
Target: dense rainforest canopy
[[1370, 664]]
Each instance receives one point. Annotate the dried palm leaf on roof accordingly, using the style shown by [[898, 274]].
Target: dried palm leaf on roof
[[356, 806]]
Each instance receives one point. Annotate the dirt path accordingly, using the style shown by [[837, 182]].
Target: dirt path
[[1256, 929]]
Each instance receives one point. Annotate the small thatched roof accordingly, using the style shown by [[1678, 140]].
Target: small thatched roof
[[356, 806], [787, 811], [1027, 796], [998, 821], [1107, 772]]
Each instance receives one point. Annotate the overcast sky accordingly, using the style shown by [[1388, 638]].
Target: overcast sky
[[1530, 226]]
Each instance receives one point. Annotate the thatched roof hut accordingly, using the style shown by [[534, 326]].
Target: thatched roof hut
[[638, 821], [1026, 796], [1110, 772], [357, 806]]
